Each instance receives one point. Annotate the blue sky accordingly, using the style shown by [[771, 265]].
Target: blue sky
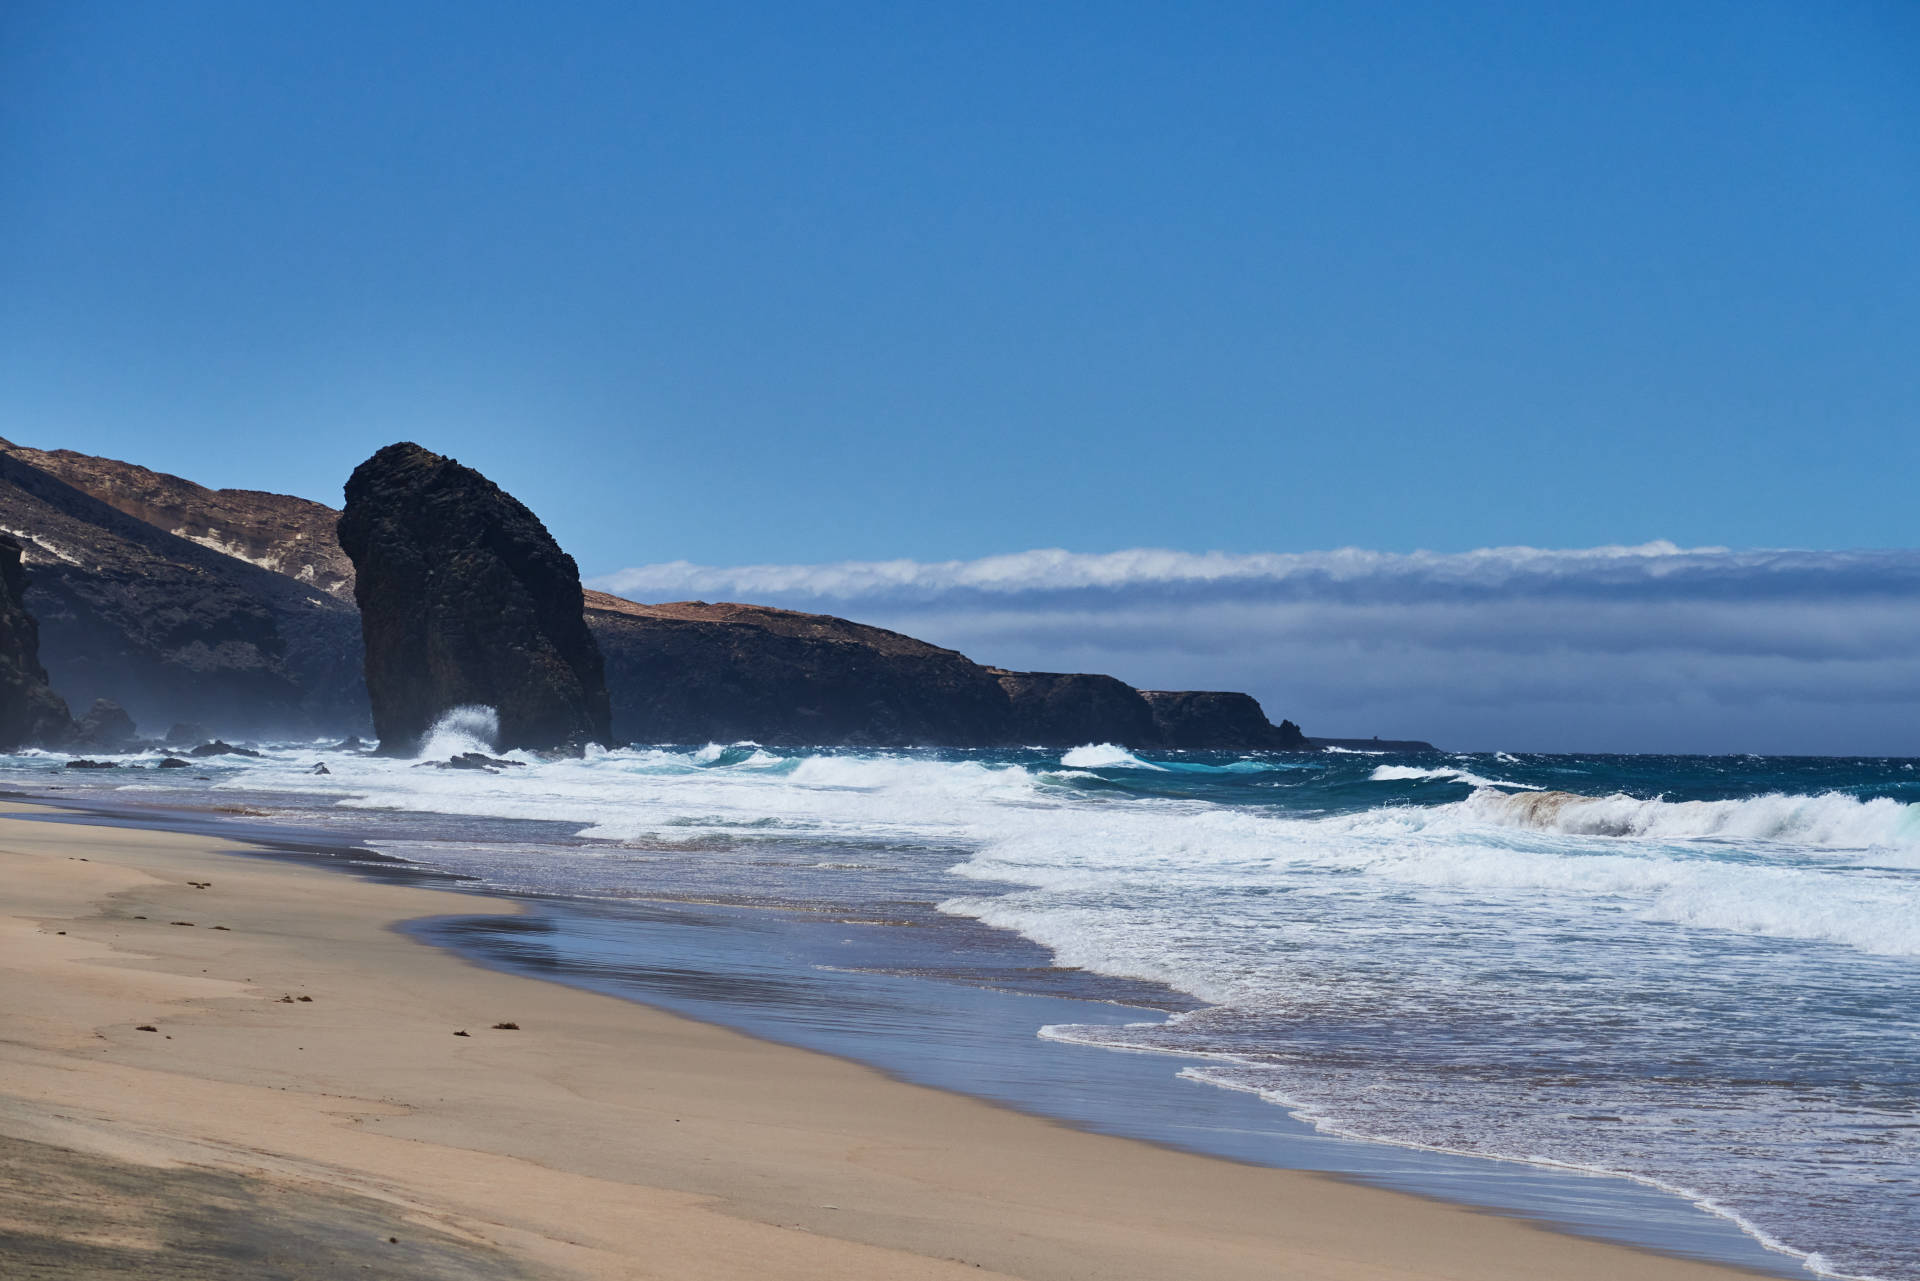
[[805, 284]]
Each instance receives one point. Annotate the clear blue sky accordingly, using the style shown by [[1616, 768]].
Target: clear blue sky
[[798, 282]]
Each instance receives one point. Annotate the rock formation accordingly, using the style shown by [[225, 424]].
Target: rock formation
[[1063, 709], [106, 728], [30, 712], [1218, 720], [290, 536], [170, 629], [234, 611], [693, 673], [465, 598]]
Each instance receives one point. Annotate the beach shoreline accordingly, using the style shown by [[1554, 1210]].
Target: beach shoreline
[[601, 1138]]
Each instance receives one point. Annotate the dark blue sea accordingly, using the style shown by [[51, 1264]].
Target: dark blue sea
[[1701, 974]]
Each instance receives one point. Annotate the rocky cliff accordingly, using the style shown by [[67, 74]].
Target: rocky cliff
[[31, 713], [290, 536], [691, 672], [1218, 720], [694, 672], [465, 598], [234, 610], [171, 629], [1066, 709]]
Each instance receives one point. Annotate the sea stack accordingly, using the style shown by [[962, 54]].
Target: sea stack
[[30, 712], [466, 599]]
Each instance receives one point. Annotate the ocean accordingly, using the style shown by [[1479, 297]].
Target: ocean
[[1495, 977]]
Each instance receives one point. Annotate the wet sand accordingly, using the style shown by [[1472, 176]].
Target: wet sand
[[252, 1133]]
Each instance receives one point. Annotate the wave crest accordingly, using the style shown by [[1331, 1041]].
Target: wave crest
[[1830, 819], [471, 727]]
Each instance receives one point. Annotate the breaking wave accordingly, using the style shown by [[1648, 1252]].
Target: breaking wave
[[1416, 773], [1104, 756], [1832, 820], [472, 727]]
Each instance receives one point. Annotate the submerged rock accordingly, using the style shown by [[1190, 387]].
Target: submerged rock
[[172, 762], [467, 760], [219, 748], [87, 764], [31, 714], [465, 598]]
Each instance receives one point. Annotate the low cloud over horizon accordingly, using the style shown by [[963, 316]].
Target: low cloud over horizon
[[1654, 648]]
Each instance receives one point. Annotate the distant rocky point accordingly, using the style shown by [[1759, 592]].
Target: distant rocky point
[[466, 599], [694, 672], [1397, 746]]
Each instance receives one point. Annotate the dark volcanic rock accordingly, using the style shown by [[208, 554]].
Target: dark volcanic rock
[[1067, 709], [692, 672], [106, 727], [465, 760], [31, 713], [172, 762], [1204, 719], [171, 629], [86, 764], [465, 598], [219, 748]]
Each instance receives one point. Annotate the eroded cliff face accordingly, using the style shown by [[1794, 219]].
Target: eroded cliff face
[[1066, 709], [173, 630], [31, 714], [1218, 720], [694, 672], [691, 672], [465, 598], [277, 532]]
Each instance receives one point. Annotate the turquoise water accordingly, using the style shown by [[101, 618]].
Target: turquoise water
[[1697, 972]]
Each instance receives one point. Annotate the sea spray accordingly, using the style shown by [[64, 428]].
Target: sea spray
[[472, 727]]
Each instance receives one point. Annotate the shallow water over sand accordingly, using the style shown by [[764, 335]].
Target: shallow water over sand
[[1701, 973]]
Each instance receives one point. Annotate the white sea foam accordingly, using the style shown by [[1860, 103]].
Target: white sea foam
[[1827, 820], [472, 727], [1104, 756], [1415, 773]]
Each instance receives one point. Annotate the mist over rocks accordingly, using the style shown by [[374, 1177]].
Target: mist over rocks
[[465, 598], [31, 713], [169, 627]]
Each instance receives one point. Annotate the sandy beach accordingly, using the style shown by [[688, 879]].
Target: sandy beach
[[213, 1066]]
